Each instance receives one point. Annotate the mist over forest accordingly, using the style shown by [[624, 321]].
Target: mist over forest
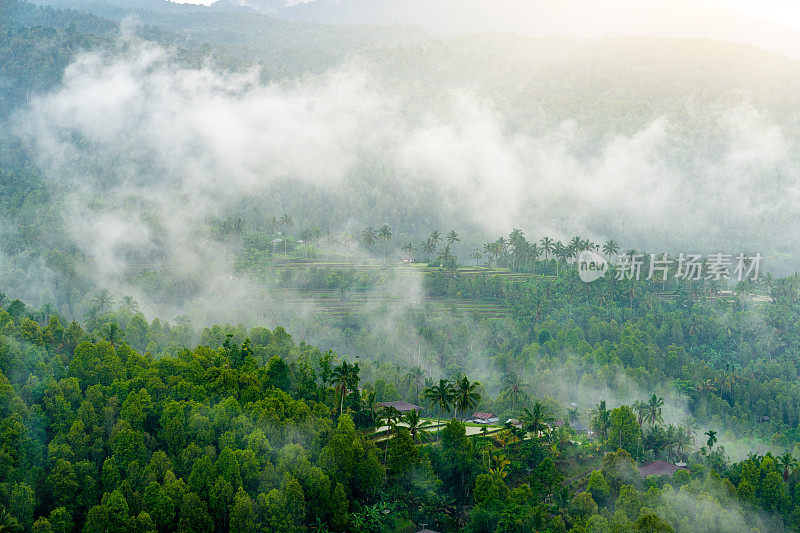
[[317, 266]]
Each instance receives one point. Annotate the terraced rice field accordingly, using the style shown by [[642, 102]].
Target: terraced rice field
[[332, 304]]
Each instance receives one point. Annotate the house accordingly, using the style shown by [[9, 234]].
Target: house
[[403, 407], [514, 422], [659, 468], [484, 418]]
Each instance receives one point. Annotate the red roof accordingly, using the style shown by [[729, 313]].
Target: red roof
[[483, 416], [659, 468]]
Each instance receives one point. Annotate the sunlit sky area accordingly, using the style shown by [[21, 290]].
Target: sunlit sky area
[[779, 11]]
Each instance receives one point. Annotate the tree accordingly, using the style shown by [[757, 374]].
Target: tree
[[385, 235], [410, 249], [452, 238], [414, 422], [435, 237], [476, 255], [242, 518], [440, 396], [788, 464], [513, 387], [547, 246], [102, 301], [345, 378], [623, 430], [653, 410], [429, 247], [640, 408], [130, 305], [369, 236], [611, 248], [465, 395], [601, 419], [112, 333], [537, 419], [712, 438]]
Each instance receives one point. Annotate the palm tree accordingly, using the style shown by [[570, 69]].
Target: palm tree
[[501, 246], [345, 378], [102, 300], [429, 247], [602, 419], [788, 463], [447, 260], [112, 333], [653, 411], [560, 251], [465, 395], [129, 304], [416, 377], [712, 438], [441, 396], [415, 422], [286, 220], [640, 408], [385, 235], [533, 253], [490, 251], [683, 439], [409, 249], [476, 255], [611, 248], [514, 387], [575, 243], [369, 236], [547, 246], [452, 237], [435, 237], [537, 419]]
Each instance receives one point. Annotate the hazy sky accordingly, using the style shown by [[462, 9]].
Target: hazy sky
[[780, 11]]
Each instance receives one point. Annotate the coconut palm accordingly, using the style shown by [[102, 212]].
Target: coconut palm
[[441, 397], [788, 463], [536, 419], [415, 422], [102, 300], [640, 408], [286, 220], [548, 245], [611, 248], [653, 411], [409, 249], [112, 333], [369, 236], [452, 237], [385, 235], [435, 237], [416, 377], [465, 395], [712, 438], [476, 255], [344, 378], [513, 387], [130, 305], [429, 247], [601, 419]]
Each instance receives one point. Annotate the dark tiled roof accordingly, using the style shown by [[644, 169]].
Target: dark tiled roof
[[403, 407], [659, 468]]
